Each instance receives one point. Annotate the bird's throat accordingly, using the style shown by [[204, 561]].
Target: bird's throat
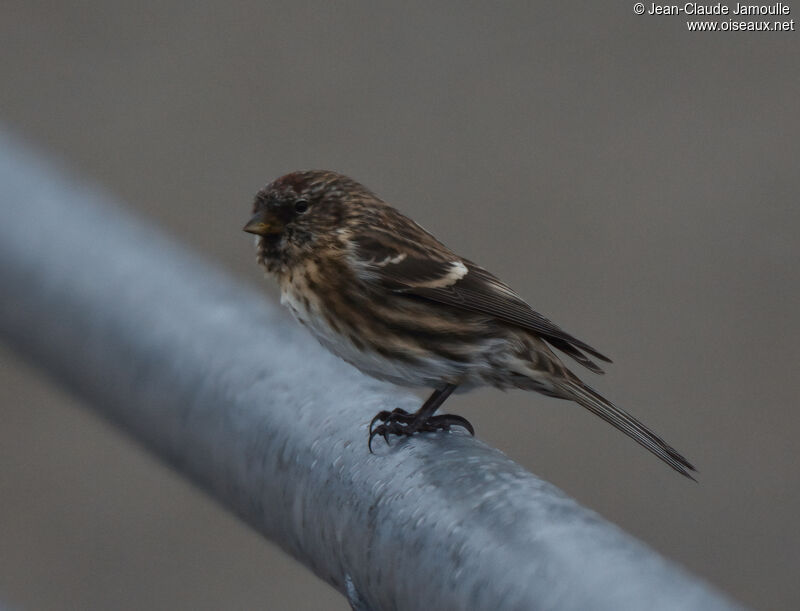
[[270, 252]]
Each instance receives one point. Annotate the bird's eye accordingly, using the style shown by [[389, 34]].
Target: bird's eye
[[300, 206]]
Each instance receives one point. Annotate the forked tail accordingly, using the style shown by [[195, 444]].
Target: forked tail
[[626, 423]]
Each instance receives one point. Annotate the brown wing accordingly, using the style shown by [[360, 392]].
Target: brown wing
[[425, 268]]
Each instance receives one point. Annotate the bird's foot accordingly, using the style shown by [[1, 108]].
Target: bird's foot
[[400, 422]]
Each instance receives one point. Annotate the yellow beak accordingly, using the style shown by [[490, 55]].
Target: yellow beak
[[263, 223]]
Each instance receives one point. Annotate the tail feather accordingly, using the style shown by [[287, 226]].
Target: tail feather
[[626, 423], [576, 354]]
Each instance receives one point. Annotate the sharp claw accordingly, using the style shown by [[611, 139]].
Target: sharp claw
[[396, 415], [383, 415], [462, 422], [445, 421], [384, 431]]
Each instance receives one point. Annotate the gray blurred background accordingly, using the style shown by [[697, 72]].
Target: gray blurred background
[[636, 182]]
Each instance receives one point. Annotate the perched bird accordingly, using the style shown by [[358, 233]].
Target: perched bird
[[386, 296]]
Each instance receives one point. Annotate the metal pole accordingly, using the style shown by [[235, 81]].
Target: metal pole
[[218, 382]]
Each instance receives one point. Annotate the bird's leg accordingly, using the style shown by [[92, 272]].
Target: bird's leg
[[400, 422], [433, 403], [423, 413], [424, 420]]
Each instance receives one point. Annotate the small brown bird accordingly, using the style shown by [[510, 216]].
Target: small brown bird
[[383, 294]]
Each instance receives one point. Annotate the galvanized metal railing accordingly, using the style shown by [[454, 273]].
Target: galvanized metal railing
[[217, 381]]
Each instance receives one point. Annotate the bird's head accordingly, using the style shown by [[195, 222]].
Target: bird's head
[[298, 211]]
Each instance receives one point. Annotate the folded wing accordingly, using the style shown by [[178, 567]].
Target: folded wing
[[431, 271]]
